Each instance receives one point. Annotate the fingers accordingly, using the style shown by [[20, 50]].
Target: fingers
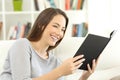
[[78, 61], [89, 68], [77, 58], [93, 66], [78, 66], [70, 65]]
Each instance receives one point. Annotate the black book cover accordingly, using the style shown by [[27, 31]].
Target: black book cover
[[91, 48]]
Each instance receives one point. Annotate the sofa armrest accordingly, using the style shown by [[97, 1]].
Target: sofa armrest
[[105, 74], [4, 47]]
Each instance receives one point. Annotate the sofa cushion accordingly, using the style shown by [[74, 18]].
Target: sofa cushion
[[4, 46]]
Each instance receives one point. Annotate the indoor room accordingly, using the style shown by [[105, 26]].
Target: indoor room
[[97, 17]]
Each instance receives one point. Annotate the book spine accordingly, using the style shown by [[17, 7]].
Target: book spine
[[1, 26], [52, 3], [22, 31], [85, 29], [79, 30], [67, 4], [13, 37], [79, 4], [74, 5], [74, 30], [82, 4], [36, 5], [27, 29]]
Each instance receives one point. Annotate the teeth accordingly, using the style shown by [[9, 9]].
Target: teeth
[[54, 38]]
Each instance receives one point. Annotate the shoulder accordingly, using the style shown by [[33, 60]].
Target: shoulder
[[21, 41], [20, 44], [21, 47]]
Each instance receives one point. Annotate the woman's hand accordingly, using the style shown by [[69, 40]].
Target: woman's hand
[[70, 65], [86, 74]]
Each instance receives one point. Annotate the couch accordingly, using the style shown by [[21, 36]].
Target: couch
[[108, 66], [4, 46]]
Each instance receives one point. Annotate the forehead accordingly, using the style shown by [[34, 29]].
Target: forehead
[[60, 19]]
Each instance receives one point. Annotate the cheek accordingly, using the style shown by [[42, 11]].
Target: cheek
[[51, 29], [62, 36]]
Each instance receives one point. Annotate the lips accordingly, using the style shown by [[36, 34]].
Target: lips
[[55, 38]]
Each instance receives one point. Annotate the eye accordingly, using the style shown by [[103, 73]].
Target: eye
[[55, 26]]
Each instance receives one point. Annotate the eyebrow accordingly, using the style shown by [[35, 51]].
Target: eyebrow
[[59, 25]]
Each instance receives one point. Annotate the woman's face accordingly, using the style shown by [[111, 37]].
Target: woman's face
[[54, 31]]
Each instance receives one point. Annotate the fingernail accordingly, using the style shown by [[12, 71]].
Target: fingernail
[[83, 59], [82, 55]]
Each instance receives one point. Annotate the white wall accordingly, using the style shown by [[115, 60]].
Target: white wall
[[100, 17], [103, 16], [115, 13]]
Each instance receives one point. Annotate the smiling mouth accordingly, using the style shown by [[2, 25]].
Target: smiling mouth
[[54, 38]]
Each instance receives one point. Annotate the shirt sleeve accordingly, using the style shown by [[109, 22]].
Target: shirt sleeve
[[19, 56]]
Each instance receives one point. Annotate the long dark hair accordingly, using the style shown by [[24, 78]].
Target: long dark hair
[[42, 21]]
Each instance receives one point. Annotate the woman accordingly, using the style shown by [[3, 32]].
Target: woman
[[30, 58]]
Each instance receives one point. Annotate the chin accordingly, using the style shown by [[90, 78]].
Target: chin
[[52, 44]]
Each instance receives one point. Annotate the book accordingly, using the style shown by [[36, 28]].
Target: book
[[67, 5], [1, 26], [19, 31], [74, 5], [22, 31], [36, 5], [27, 29], [79, 30], [52, 3], [12, 34], [91, 48], [82, 4], [79, 4]]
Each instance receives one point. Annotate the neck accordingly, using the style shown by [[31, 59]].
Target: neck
[[40, 48]]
